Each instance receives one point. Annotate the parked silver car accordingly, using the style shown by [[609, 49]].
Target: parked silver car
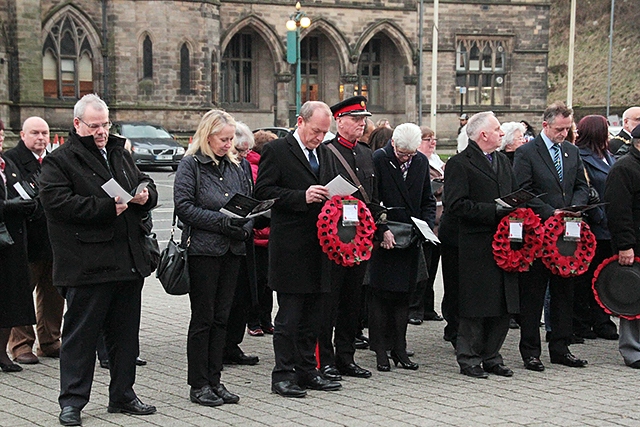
[[151, 145]]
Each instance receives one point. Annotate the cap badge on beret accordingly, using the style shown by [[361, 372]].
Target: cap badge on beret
[[354, 106]]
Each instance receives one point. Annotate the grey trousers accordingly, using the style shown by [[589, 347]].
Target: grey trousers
[[480, 340], [629, 342]]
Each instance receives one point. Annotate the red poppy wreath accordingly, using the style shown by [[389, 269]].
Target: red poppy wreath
[[518, 260], [352, 252], [567, 265]]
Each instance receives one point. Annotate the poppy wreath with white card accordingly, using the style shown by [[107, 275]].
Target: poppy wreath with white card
[[518, 260], [360, 240], [567, 265]]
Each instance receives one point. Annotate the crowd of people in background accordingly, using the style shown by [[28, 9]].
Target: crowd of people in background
[[68, 240]]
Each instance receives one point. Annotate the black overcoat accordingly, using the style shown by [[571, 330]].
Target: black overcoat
[[91, 244], [16, 299], [470, 190], [38, 246], [296, 261]]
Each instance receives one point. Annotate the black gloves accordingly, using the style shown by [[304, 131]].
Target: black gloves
[[229, 227], [19, 206], [594, 197], [502, 211]]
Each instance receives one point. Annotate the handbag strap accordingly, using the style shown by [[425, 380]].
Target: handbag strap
[[350, 171], [175, 217]]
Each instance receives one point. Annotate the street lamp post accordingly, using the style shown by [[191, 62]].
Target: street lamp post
[[297, 20]]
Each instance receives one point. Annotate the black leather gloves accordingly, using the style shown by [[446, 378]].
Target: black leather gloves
[[230, 228], [19, 206], [502, 211]]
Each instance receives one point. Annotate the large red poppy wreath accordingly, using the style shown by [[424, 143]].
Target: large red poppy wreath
[[345, 253], [567, 265], [518, 260]]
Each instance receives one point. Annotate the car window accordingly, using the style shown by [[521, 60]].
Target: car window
[[143, 131]]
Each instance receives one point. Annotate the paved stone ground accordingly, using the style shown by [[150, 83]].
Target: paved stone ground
[[602, 394]]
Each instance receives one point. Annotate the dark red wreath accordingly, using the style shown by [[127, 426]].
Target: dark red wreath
[[349, 253], [519, 260], [596, 274], [570, 265]]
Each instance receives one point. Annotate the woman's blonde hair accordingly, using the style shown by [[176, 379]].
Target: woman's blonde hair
[[212, 123]]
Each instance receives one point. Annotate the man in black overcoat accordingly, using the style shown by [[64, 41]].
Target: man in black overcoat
[[621, 143], [27, 156], [295, 170], [342, 305], [560, 183], [487, 294], [100, 258]]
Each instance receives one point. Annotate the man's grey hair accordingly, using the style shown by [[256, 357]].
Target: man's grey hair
[[509, 129], [89, 99], [407, 136], [310, 107], [244, 137], [477, 123]]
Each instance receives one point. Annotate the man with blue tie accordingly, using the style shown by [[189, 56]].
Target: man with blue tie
[[551, 166], [294, 170]]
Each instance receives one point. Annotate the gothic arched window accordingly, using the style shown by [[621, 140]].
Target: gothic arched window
[[185, 70]]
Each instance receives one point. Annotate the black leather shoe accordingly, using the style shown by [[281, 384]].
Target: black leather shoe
[[288, 389], [533, 364], [414, 321], [241, 359], [135, 407], [608, 335], [568, 360], [434, 318], [500, 370], [221, 391], [331, 373], [10, 367], [360, 345], [205, 396], [513, 324], [353, 370], [474, 371], [576, 339], [140, 362], [316, 382], [635, 365], [362, 337], [70, 416], [104, 364]]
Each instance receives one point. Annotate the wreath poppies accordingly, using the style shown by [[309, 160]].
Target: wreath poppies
[[349, 253], [519, 260], [567, 265]]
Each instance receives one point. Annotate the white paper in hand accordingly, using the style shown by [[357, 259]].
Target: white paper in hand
[[113, 189], [340, 187]]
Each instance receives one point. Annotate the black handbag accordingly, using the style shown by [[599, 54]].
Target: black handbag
[[173, 267], [5, 237], [403, 233], [150, 241]]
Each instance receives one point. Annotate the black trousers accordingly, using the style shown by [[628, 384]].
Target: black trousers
[[341, 310], [238, 314], [587, 313], [110, 308], [451, 283], [533, 285], [213, 285], [421, 303], [480, 340], [260, 315], [297, 325], [388, 320]]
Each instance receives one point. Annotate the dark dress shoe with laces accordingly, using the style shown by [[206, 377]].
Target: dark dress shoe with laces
[[568, 360], [331, 373], [70, 416], [500, 370], [288, 389], [221, 391], [135, 407], [353, 370], [241, 359], [205, 396], [474, 371], [533, 364], [317, 382]]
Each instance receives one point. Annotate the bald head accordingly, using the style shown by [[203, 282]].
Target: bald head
[[35, 134], [631, 119]]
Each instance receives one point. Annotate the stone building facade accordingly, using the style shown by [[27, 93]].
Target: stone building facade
[[170, 61]]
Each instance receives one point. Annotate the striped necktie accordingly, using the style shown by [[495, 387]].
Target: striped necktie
[[557, 160]]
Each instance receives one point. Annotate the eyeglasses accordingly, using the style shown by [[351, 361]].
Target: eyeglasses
[[428, 138], [404, 155], [96, 126]]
